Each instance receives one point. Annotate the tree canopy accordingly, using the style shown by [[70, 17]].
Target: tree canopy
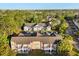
[[65, 46]]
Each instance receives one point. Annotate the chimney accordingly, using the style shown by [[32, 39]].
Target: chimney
[[38, 34]]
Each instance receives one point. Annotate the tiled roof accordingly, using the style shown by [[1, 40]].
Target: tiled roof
[[27, 40]]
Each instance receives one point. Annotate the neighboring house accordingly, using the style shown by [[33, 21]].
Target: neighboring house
[[49, 18], [48, 28], [24, 44], [36, 27], [39, 26], [28, 26]]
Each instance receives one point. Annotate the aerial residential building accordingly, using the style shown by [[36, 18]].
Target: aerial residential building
[[28, 26], [49, 18], [39, 26], [23, 44]]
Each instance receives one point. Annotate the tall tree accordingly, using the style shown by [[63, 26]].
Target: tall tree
[[65, 46]]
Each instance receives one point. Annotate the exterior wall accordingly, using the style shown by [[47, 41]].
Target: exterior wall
[[33, 43], [26, 28], [22, 48], [13, 46], [25, 45], [36, 45], [46, 45], [38, 28], [25, 48]]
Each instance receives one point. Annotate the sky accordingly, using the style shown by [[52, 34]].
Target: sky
[[39, 5]]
